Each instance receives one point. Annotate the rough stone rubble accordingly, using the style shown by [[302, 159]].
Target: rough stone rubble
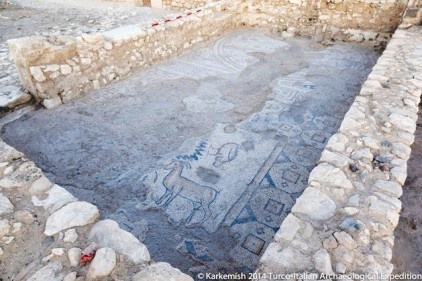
[[94, 60], [29, 200], [344, 221], [57, 22]]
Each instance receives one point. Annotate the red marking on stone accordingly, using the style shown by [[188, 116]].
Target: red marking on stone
[[179, 17], [190, 13], [87, 258], [154, 24], [167, 20], [199, 11]]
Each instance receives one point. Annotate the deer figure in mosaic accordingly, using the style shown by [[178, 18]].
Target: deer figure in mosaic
[[201, 196]]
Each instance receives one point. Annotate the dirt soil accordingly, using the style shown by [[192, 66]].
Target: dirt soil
[[20, 18], [407, 252]]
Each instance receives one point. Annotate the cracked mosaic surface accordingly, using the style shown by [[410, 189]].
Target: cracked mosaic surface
[[202, 156]]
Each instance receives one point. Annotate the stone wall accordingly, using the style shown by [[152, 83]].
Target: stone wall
[[347, 20], [342, 224], [344, 221], [56, 70], [183, 4], [69, 229]]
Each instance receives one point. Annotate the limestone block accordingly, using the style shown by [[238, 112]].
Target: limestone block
[[74, 256], [37, 73], [402, 122], [390, 187], [4, 228], [103, 264], [65, 69], [11, 96], [6, 206], [22, 177], [71, 215], [50, 272], [330, 175], [288, 229], [40, 185], [346, 240], [337, 142], [51, 103], [277, 257], [336, 159], [322, 261], [107, 233], [57, 198], [315, 204], [161, 272], [25, 51], [295, 2]]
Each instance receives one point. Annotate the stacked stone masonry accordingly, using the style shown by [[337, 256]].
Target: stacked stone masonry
[[49, 68], [28, 199], [344, 221], [183, 5], [348, 20]]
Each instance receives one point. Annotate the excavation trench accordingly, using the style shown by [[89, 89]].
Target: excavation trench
[[202, 156]]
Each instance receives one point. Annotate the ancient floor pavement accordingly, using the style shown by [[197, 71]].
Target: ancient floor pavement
[[202, 156]]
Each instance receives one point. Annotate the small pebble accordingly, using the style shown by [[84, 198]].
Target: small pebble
[[74, 256], [354, 168], [47, 258], [7, 239], [381, 159], [70, 236], [57, 251], [70, 277], [17, 227]]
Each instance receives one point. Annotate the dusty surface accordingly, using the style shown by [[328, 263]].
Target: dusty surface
[[206, 152], [58, 18], [407, 254]]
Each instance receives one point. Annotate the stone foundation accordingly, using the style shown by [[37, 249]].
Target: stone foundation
[[344, 221], [57, 71], [338, 20], [342, 224], [73, 225], [183, 5], [60, 71]]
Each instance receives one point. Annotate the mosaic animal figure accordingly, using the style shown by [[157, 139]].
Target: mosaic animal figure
[[201, 196], [226, 153]]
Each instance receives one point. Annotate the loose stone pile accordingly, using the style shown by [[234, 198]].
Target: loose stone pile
[[345, 219], [66, 229], [54, 23]]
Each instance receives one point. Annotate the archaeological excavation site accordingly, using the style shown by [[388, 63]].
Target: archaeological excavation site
[[189, 140]]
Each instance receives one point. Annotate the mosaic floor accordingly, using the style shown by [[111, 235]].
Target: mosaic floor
[[202, 156]]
